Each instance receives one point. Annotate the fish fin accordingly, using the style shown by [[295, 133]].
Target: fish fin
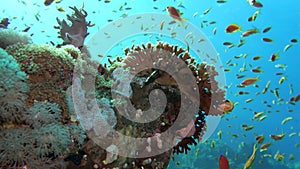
[[258, 30], [182, 20], [277, 55], [258, 78], [240, 29]]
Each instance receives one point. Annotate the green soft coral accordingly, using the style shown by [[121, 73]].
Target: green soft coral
[[43, 113], [13, 89], [51, 140], [16, 147], [41, 139]]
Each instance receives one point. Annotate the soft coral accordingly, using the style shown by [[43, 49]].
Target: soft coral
[[77, 32]]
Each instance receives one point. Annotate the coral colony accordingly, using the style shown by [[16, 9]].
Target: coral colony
[[39, 128]]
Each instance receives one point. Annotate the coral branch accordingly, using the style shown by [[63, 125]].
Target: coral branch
[[77, 32], [4, 23]]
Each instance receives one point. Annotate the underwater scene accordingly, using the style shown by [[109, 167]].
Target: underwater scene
[[149, 84]]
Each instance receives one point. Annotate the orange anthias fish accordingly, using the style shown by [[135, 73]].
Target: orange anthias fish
[[223, 162], [274, 57], [174, 13], [232, 28], [250, 32], [249, 81]]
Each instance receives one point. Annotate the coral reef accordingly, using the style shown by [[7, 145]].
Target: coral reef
[[46, 114], [13, 90], [42, 140], [10, 37], [49, 110], [34, 130], [49, 71], [77, 32], [138, 92]]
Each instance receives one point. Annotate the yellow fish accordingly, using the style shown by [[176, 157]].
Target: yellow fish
[[266, 87], [257, 115], [251, 158], [60, 9], [220, 134], [282, 79], [263, 117], [267, 155], [265, 146], [279, 156], [286, 120], [292, 134], [247, 127], [212, 145]]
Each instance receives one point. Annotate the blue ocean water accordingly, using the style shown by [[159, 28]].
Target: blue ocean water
[[282, 16]]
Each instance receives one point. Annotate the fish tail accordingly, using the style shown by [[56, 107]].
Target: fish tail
[[254, 147], [258, 78], [240, 29], [182, 20], [257, 30]]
